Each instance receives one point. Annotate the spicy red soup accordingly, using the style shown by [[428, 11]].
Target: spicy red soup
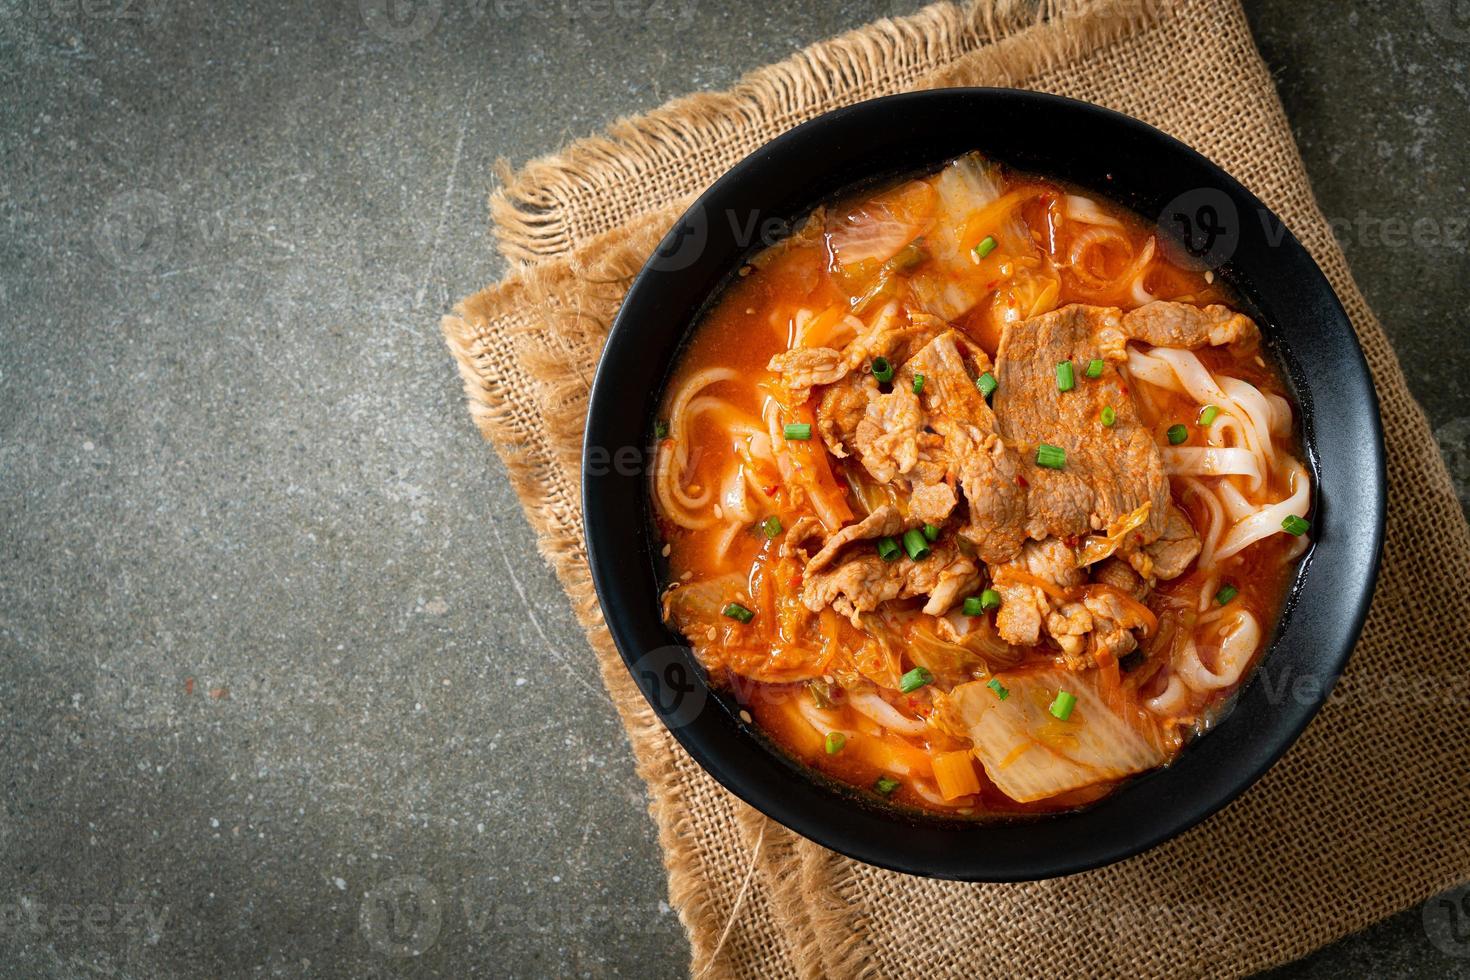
[[977, 501]]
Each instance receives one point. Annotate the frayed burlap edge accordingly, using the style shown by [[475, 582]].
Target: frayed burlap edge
[[531, 206]]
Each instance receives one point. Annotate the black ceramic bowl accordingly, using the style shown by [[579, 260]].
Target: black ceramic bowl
[[1205, 213]]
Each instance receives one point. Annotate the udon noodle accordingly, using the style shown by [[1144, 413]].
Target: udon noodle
[[977, 501]]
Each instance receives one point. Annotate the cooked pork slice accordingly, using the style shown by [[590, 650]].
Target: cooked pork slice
[[803, 368], [1169, 555], [798, 539], [862, 581], [1070, 626], [1024, 607], [1114, 621], [841, 408], [1181, 325], [887, 438], [932, 503], [1118, 574], [946, 577], [881, 523], [1110, 471], [858, 585], [978, 458], [895, 335], [848, 391]]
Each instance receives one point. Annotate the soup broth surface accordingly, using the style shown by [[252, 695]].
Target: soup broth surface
[[975, 500]]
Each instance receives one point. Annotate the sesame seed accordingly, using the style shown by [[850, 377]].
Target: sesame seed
[[745, 716], [667, 548]]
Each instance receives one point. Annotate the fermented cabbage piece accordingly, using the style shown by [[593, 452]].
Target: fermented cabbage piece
[[1030, 755]]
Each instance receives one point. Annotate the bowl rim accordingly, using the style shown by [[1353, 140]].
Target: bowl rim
[[735, 754]]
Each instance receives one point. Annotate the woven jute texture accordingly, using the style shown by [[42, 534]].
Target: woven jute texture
[[1366, 815]]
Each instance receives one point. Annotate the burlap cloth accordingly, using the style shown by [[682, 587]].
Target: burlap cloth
[[1365, 816]]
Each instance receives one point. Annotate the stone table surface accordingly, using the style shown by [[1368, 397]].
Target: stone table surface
[[276, 650]]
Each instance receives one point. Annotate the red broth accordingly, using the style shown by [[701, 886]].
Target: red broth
[[798, 672]]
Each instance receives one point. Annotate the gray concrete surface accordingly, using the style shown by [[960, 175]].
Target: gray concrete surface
[[277, 656]]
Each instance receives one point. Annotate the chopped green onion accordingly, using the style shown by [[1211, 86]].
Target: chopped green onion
[[882, 370], [1208, 414], [798, 431], [1066, 379], [915, 544], [914, 679], [1094, 368], [1107, 416], [1295, 526], [986, 246], [989, 599], [889, 549], [1052, 457], [987, 384], [661, 429], [771, 526], [1224, 596], [972, 606], [918, 384], [738, 612], [886, 785], [1178, 434], [931, 532], [1001, 691], [1061, 708], [836, 741]]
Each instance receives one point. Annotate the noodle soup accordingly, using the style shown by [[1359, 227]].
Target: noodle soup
[[976, 500]]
